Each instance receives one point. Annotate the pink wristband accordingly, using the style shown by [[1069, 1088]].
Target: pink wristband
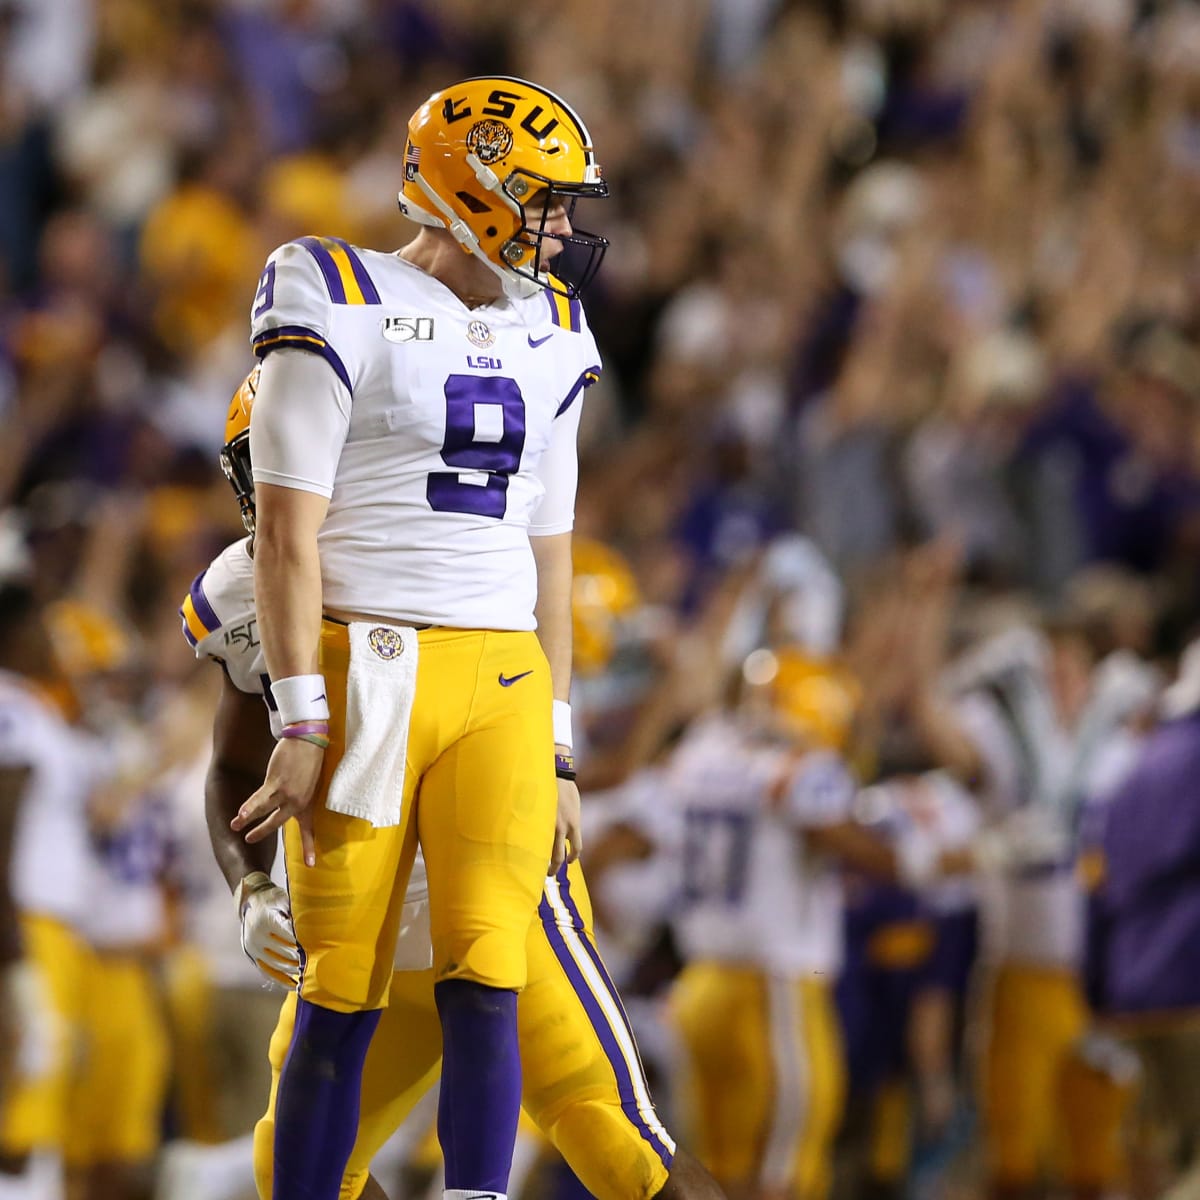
[[316, 732]]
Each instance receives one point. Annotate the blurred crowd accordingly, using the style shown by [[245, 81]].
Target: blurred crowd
[[901, 334]]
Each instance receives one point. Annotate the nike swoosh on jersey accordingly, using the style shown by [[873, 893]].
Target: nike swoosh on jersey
[[511, 679], [536, 342]]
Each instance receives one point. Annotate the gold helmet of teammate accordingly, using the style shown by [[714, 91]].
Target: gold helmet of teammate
[[604, 592], [478, 151], [235, 453], [813, 699]]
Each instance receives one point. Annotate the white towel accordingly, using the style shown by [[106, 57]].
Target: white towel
[[369, 781]]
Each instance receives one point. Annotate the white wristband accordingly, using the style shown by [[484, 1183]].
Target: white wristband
[[916, 860], [562, 724], [301, 698]]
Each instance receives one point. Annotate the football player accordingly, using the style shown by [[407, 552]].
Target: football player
[[583, 1081], [45, 783], [762, 800], [1038, 726], [415, 465]]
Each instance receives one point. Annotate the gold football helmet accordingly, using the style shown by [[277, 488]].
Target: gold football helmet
[[235, 453], [478, 151], [813, 699], [603, 593]]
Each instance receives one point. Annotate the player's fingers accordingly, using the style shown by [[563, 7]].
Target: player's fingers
[[559, 854], [575, 840], [307, 842], [259, 804], [278, 962], [284, 979], [267, 828]]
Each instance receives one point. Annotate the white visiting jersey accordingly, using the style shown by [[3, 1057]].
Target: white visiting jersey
[[457, 432], [219, 623], [753, 893], [50, 852]]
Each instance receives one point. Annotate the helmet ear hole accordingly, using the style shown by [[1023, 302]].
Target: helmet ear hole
[[492, 231]]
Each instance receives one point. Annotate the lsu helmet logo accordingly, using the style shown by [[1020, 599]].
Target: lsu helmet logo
[[387, 643], [489, 141]]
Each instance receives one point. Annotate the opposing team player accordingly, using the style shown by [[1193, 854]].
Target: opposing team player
[[583, 1081]]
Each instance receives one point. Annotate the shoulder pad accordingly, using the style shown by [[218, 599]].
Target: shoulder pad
[[221, 593]]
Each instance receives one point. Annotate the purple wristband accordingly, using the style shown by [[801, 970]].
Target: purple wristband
[[316, 732]]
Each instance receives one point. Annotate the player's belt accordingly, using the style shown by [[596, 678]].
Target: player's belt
[[395, 620]]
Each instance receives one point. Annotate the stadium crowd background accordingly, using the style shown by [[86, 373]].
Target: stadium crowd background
[[899, 321]]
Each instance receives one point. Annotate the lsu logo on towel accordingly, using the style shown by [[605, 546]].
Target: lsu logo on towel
[[387, 643]]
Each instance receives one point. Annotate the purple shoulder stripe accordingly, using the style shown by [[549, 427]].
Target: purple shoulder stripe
[[200, 603], [333, 278], [366, 286]]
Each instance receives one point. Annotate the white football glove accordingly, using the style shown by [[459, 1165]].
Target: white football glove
[[1026, 839], [267, 934], [31, 1027]]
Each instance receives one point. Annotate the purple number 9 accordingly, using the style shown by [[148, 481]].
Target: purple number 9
[[473, 401], [265, 296]]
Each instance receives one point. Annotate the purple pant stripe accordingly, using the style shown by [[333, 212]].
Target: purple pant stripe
[[600, 1023]]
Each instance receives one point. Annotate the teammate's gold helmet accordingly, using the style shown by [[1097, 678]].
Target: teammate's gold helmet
[[477, 151], [814, 699], [604, 591], [235, 453]]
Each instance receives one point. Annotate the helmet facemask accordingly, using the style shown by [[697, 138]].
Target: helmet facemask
[[235, 464], [584, 251]]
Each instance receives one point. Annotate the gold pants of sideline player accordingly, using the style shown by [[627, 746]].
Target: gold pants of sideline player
[[1045, 1111], [583, 1083], [116, 1098], [767, 1072], [34, 1116]]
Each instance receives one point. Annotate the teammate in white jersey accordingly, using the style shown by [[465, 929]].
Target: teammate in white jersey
[[413, 445], [1040, 727], [45, 782], [583, 1083], [762, 805]]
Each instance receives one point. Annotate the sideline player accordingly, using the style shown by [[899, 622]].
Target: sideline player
[[583, 1082], [47, 773], [414, 460]]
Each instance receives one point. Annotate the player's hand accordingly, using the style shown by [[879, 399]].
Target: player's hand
[[28, 1034], [286, 792], [267, 934], [1029, 838], [568, 830]]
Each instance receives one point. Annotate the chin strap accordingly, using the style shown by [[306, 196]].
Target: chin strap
[[516, 286]]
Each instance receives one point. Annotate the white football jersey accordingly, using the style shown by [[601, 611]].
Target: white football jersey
[[126, 872], [50, 852], [753, 893], [1038, 916], [219, 622], [453, 419]]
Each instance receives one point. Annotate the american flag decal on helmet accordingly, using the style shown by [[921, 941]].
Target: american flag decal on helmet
[[412, 160]]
